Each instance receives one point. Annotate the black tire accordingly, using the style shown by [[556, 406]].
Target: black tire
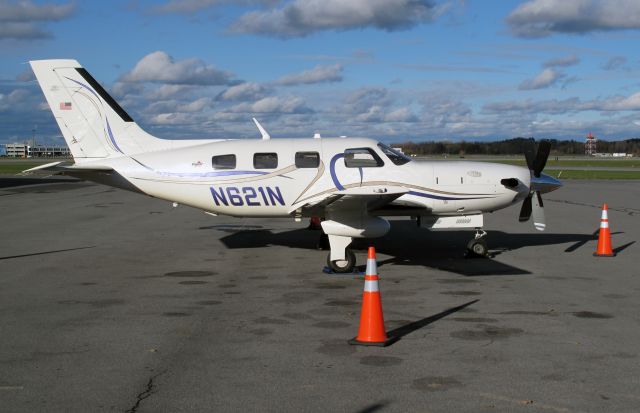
[[345, 266], [477, 248]]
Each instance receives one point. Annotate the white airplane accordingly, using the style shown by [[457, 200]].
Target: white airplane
[[352, 183]]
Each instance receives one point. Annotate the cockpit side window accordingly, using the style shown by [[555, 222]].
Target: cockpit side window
[[362, 158], [224, 161], [307, 159], [395, 156], [265, 160]]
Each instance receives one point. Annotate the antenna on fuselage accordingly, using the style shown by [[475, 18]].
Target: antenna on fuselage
[[263, 132]]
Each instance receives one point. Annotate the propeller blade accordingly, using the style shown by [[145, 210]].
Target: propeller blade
[[544, 148], [530, 153], [538, 212], [525, 211]]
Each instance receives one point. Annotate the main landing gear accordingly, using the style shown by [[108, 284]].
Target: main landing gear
[[346, 265], [343, 266], [342, 228], [477, 247], [340, 266]]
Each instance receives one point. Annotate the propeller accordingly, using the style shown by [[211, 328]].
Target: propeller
[[532, 204]]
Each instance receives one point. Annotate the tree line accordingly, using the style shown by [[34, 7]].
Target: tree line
[[515, 146]]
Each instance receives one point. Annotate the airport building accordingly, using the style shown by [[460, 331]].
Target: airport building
[[23, 150], [16, 150]]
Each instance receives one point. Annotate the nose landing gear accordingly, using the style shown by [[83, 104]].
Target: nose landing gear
[[477, 247]]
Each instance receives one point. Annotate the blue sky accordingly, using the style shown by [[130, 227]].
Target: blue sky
[[394, 70]]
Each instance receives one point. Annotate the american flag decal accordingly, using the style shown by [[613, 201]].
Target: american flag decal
[[65, 105]]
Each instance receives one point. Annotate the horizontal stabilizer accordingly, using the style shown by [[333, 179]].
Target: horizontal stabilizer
[[59, 167], [49, 167]]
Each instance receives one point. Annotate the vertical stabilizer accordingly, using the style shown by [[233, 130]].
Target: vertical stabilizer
[[91, 121]]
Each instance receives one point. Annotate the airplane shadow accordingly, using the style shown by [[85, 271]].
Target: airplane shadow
[[12, 181], [402, 331], [408, 245], [32, 254], [621, 248]]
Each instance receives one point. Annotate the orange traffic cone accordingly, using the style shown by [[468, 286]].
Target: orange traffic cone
[[371, 331], [604, 238]]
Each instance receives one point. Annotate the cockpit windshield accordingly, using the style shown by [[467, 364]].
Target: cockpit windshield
[[394, 155]]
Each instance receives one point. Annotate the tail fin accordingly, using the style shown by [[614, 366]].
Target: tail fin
[[91, 121]]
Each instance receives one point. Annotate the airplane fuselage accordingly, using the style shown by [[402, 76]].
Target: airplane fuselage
[[268, 179]]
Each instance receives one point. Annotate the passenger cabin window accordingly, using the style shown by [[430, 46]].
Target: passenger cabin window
[[395, 156], [265, 160], [224, 162], [361, 158], [307, 159]]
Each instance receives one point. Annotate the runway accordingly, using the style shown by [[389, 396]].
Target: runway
[[112, 301]]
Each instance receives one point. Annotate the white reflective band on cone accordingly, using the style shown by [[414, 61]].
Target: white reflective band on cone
[[372, 267], [605, 214], [371, 286], [604, 224]]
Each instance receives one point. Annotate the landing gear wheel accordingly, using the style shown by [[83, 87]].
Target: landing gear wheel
[[477, 248], [343, 266]]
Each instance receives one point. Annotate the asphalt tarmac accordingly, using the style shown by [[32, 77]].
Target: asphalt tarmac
[[112, 301]]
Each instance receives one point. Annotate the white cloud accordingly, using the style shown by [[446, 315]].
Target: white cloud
[[571, 105], [243, 91], [230, 117], [169, 91], [159, 67], [273, 104], [404, 114], [176, 106], [27, 11], [22, 31], [360, 100], [372, 114], [562, 61], [197, 105], [23, 20], [302, 17], [319, 74], [614, 63], [619, 103], [26, 75], [552, 106], [378, 113], [122, 90], [18, 105], [174, 119], [539, 18], [18, 96], [193, 6], [548, 77]]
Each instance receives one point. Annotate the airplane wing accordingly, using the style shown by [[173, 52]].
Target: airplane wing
[[370, 198]]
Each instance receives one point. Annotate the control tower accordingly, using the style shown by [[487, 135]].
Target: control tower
[[590, 145]]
